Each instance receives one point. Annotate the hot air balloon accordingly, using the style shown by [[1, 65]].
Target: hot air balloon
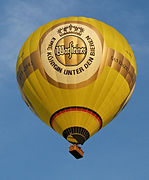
[[76, 74]]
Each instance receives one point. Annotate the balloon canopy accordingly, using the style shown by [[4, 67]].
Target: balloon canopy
[[76, 74]]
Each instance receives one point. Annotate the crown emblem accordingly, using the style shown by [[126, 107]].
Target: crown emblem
[[70, 29]]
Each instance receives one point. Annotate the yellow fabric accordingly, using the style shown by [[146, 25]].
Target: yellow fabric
[[120, 44], [105, 95]]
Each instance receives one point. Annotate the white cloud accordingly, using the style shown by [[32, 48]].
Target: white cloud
[[19, 20]]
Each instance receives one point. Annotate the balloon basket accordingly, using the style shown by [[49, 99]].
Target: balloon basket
[[76, 151]]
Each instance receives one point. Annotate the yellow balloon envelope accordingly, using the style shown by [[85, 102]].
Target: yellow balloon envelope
[[76, 74]]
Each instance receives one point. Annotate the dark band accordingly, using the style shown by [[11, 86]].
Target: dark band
[[78, 133], [76, 108]]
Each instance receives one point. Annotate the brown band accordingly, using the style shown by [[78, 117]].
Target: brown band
[[110, 58]]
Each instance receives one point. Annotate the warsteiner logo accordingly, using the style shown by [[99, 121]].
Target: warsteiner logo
[[62, 50], [71, 54], [71, 48]]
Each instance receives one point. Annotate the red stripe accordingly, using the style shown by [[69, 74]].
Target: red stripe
[[76, 109]]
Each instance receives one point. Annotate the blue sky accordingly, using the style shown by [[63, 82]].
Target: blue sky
[[28, 148]]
